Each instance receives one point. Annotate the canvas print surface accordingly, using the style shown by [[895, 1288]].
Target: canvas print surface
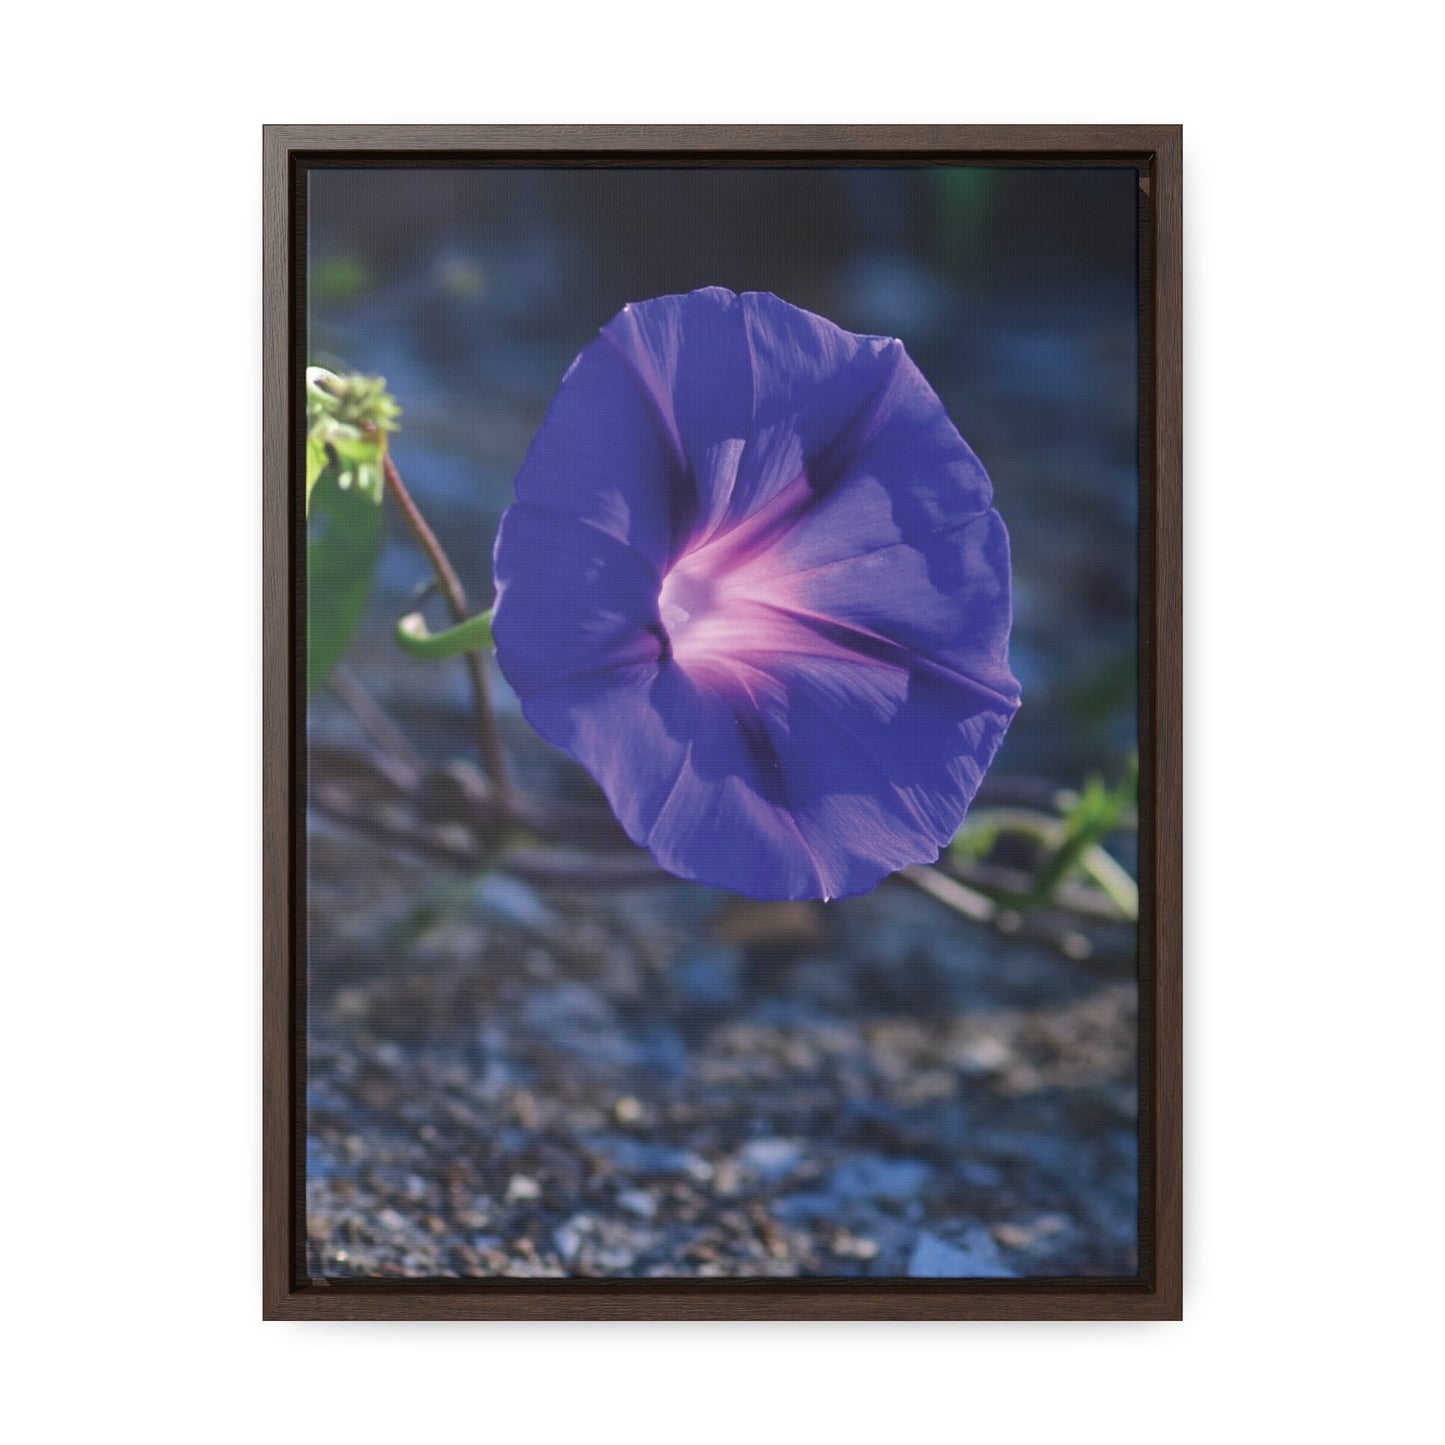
[[722, 722]]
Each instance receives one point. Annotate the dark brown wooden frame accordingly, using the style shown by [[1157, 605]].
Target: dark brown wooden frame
[[1156, 152]]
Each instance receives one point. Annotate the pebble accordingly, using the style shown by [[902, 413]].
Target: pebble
[[641, 1202], [509, 900], [568, 1237], [622, 1097], [977, 1258], [640, 1156], [852, 1246], [871, 1176], [980, 1175], [522, 1187], [772, 1159]]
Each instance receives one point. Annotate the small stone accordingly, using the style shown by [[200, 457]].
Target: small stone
[[726, 1178], [568, 1237], [524, 1106], [933, 1258], [522, 1187], [627, 1110], [640, 1202], [638, 1156], [771, 1158], [567, 1008], [979, 1175], [983, 1054], [872, 1176], [697, 1168], [853, 1246], [1013, 1236], [509, 900]]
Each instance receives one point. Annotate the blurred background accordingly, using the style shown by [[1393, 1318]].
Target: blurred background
[[508, 1077]]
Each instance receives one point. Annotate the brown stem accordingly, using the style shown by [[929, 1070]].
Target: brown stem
[[488, 740], [584, 825], [402, 760], [355, 790]]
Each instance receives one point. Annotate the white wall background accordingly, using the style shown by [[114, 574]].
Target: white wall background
[[131, 794]]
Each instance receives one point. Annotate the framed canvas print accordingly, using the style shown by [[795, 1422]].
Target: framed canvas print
[[722, 722]]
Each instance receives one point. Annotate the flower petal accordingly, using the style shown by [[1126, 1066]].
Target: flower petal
[[753, 393], [687, 772], [817, 391], [726, 819], [571, 600], [879, 763], [688, 356], [608, 722], [602, 454], [942, 596]]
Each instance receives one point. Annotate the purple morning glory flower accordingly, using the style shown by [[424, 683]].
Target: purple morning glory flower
[[753, 583]]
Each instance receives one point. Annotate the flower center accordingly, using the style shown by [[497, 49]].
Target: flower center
[[719, 609], [687, 595]]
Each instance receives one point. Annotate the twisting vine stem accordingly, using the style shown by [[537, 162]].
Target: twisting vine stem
[[489, 740]]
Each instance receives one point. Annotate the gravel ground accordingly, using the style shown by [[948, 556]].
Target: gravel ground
[[671, 1082]]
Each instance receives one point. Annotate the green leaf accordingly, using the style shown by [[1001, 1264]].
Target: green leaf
[[315, 465], [975, 840], [1096, 811], [343, 541]]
